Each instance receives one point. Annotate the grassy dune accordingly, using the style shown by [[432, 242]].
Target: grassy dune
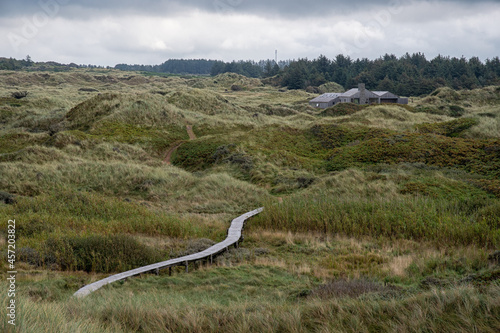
[[378, 218]]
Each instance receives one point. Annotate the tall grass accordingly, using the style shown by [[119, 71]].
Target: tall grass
[[36, 317], [175, 189], [83, 212], [416, 218], [463, 309]]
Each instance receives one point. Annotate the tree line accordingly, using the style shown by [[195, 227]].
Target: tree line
[[408, 75], [14, 64], [174, 66], [261, 69]]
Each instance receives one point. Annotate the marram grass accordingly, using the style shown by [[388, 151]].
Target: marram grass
[[419, 218]]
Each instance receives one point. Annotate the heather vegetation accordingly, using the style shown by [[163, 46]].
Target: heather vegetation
[[377, 218]]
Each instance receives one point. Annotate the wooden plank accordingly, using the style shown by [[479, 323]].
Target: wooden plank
[[233, 236]]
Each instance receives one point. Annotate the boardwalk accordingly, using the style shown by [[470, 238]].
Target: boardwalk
[[233, 237]]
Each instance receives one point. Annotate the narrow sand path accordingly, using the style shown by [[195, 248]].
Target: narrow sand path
[[189, 129], [170, 152], [175, 146]]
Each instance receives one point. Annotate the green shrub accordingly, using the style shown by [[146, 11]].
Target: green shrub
[[85, 114], [97, 253], [475, 156], [196, 155], [430, 110], [342, 109], [450, 128], [272, 110], [456, 111], [333, 136], [14, 141]]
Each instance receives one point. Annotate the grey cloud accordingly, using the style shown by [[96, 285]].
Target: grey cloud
[[152, 31], [283, 8]]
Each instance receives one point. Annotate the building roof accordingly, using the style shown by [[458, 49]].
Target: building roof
[[325, 98], [354, 93], [350, 93], [386, 94]]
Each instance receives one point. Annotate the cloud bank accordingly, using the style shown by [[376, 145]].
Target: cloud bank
[[150, 32]]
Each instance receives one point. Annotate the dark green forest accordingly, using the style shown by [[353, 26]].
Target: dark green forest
[[211, 67], [174, 66], [408, 75]]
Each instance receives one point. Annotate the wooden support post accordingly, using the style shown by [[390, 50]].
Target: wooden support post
[[157, 271], [187, 267], [211, 259]]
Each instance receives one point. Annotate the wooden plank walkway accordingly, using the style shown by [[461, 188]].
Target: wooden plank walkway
[[233, 237]]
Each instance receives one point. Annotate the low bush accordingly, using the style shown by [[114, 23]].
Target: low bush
[[97, 253], [333, 136], [19, 94], [342, 109], [15, 141], [450, 128], [196, 155], [85, 114], [475, 156]]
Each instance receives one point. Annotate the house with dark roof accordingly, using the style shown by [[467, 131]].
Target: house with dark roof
[[358, 95]]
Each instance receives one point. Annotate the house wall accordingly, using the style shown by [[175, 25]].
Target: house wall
[[321, 105]]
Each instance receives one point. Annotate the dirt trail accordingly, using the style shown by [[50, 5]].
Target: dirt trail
[[191, 134], [175, 146], [168, 157]]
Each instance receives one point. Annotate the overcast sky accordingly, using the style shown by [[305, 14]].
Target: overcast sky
[[108, 32]]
